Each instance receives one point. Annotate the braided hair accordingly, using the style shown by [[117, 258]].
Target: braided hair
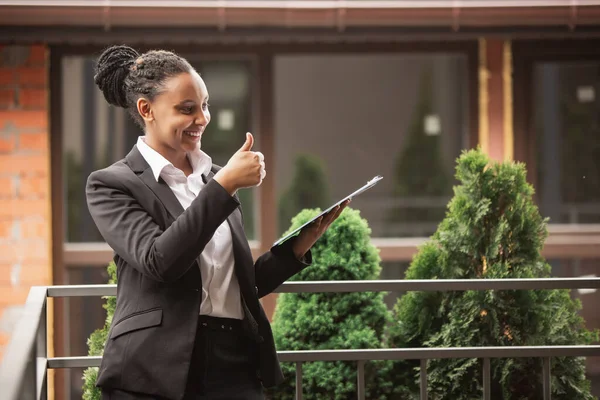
[[123, 75]]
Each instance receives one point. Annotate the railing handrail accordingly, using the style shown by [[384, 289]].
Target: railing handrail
[[432, 285], [415, 353]]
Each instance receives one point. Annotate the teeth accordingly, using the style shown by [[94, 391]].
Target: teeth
[[192, 133]]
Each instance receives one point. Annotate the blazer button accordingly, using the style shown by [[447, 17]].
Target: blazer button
[[256, 288]]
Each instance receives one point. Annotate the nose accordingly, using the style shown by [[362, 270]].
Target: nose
[[201, 118]]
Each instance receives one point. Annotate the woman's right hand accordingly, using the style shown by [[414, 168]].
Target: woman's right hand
[[246, 168]]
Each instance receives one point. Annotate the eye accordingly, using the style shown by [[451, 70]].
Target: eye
[[187, 109], [205, 106]]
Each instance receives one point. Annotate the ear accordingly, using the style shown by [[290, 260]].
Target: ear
[[144, 109]]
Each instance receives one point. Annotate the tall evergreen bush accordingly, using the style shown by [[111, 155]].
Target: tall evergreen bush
[[319, 321], [492, 230]]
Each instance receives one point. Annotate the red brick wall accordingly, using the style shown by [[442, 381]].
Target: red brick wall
[[24, 179]]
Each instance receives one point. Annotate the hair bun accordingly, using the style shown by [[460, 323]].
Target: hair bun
[[112, 68]]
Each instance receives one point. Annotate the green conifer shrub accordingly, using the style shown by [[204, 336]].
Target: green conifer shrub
[[492, 230]]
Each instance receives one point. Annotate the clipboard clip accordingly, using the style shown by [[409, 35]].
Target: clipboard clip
[[377, 178]]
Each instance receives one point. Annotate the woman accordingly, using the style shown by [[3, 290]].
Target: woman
[[188, 323]]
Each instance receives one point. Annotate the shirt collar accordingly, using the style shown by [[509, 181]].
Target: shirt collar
[[200, 161]]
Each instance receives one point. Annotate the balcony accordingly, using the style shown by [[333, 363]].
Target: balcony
[[24, 369]]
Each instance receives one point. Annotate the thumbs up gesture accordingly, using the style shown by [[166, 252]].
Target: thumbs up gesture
[[246, 168]]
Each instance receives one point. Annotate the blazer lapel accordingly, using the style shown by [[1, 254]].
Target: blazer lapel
[[166, 196], [163, 192]]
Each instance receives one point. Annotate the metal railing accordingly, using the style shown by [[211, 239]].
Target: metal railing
[[23, 372]]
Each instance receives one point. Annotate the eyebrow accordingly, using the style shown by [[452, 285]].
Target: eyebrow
[[192, 101]]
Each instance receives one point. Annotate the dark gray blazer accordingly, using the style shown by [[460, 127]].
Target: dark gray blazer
[[159, 289]]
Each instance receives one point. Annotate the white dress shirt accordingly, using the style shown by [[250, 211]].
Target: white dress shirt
[[220, 288]]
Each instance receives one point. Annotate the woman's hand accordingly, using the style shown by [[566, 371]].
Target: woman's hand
[[310, 234], [246, 168]]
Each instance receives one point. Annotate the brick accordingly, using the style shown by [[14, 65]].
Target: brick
[[8, 77], [18, 208], [34, 228], [7, 187], [29, 274], [8, 144], [12, 296], [32, 76], [7, 98], [33, 98], [7, 228], [24, 119], [33, 141], [24, 251], [19, 163], [33, 187], [37, 55]]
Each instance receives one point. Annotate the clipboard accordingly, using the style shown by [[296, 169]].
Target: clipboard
[[364, 188]]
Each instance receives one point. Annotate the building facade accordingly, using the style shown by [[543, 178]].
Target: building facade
[[336, 90]]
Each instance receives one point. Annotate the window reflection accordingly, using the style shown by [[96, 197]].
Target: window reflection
[[567, 128], [342, 119]]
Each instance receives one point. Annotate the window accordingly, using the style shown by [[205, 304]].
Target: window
[[556, 133], [342, 119], [567, 127]]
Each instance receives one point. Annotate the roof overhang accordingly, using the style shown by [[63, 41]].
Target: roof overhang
[[333, 14]]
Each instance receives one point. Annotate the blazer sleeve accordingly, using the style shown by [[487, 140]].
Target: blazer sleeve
[[278, 265], [134, 235]]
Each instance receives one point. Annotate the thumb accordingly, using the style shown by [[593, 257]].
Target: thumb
[[247, 146]]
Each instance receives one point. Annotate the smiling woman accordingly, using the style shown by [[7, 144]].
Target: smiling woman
[[185, 272], [96, 134]]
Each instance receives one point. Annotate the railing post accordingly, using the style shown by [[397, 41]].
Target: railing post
[[28, 385], [299, 380], [487, 391], [42, 354], [546, 379], [423, 373], [360, 377]]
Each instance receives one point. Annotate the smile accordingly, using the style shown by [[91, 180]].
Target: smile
[[192, 133]]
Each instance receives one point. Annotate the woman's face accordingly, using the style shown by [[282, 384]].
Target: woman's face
[[177, 117]]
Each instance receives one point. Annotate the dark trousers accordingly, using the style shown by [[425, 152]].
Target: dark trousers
[[223, 365]]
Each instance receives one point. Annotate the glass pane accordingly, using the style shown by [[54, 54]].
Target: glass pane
[[96, 135], [342, 119], [567, 128], [229, 86]]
